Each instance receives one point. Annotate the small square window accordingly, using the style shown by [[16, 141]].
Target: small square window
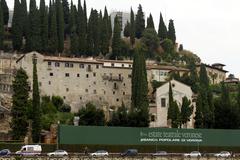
[[40, 84], [71, 65], [124, 84], [117, 99], [94, 82], [86, 90], [123, 93], [49, 63], [49, 82], [80, 98], [78, 75], [51, 74], [94, 74], [81, 65], [112, 64], [129, 76], [104, 92], [129, 65], [113, 92], [64, 97], [57, 64], [97, 66], [87, 76], [95, 91], [67, 75], [66, 64], [122, 65], [67, 89]]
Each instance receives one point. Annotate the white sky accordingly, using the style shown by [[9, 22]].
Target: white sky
[[209, 28]]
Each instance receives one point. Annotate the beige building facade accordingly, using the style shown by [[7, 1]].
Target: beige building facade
[[162, 103]]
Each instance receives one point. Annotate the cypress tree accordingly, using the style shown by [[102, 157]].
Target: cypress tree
[[127, 29], [238, 96], [17, 26], [170, 102], [33, 36], [36, 110], [186, 111], [44, 25], [162, 29], [1, 28], [24, 18], [171, 31], [60, 25], [5, 12], [198, 123], [203, 77], [132, 28], [19, 105], [53, 39], [105, 33], [140, 88], [110, 28], [150, 23], [73, 36], [116, 40], [66, 11], [140, 23]]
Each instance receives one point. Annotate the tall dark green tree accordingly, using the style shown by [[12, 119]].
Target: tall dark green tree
[[1, 28], [116, 40], [139, 105], [198, 123], [171, 31], [53, 38], [186, 111], [105, 33], [60, 25], [17, 26], [162, 29], [44, 25], [66, 11], [24, 14], [132, 28], [73, 29], [139, 23], [33, 36], [150, 23], [36, 110], [173, 111], [20, 96], [238, 96], [127, 29], [5, 11]]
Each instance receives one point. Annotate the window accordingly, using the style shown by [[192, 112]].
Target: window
[[87, 76], [66, 74], [81, 65], [124, 93], [94, 74], [124, 84], [57, 64], [113, 92], [152, 118], [115, 85], [67, 89], [104, 92], [71, 65], [163, 102], [117, 99], [97, 66], [51, 74], [78, 75], [40, 84], [95, 91], [129, 65], [122, 65], [86, 90], [66, 64], [64, 97], [94, 82], [49, 82], [112, 64], [80, 98], [129, 76], [49, 63]]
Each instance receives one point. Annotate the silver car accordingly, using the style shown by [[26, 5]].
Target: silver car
[[58, 153], [99, 153], [192, 154], [224, 154]]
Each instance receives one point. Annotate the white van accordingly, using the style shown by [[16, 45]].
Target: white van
[[30, 150]]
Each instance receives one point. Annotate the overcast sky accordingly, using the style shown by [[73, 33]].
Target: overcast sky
[[209, 28]]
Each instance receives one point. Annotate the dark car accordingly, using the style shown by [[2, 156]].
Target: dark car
[[130, 152], [5, 152]]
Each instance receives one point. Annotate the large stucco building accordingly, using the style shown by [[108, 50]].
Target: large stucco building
[[106, 83]]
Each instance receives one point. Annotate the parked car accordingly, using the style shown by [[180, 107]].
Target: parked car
[[4, 152], [30, 150], [225, 154], [58, 153], [99, 153], [192, 154], [160, 153], [130, 152]]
